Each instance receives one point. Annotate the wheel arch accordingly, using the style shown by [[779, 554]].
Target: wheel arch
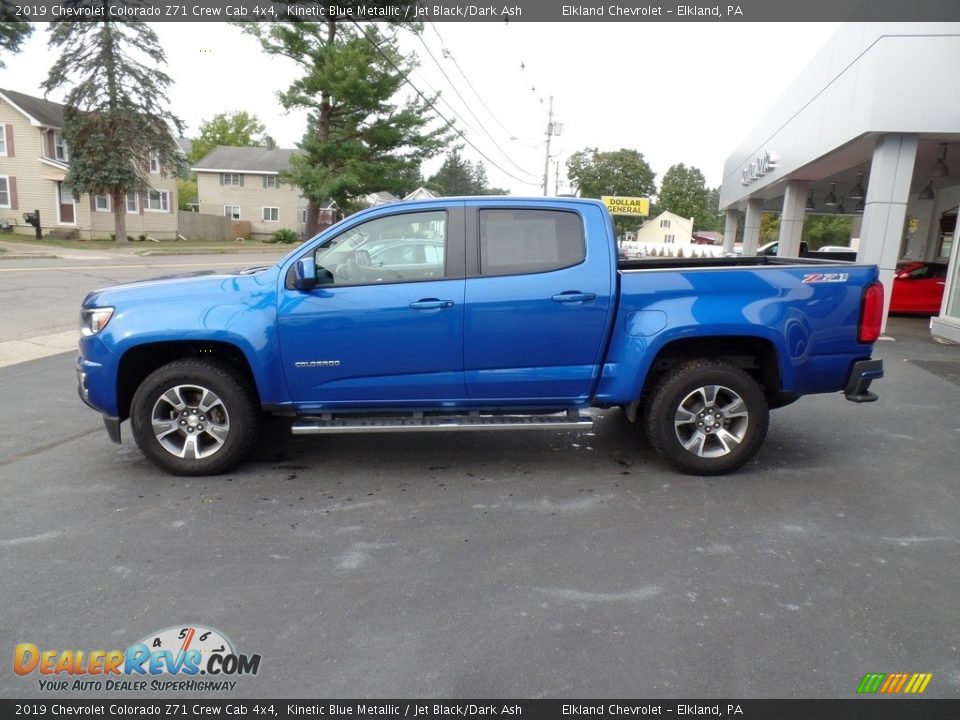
[[139, 361], [756, 355]]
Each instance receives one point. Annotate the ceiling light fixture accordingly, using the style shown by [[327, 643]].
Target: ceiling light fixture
[[927, 193], [831, 199], [940, 168], [810, 205], [858, 193]]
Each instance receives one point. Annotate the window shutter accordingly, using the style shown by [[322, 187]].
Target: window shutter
[[12, 187], [241, 181], [170, 202], [143, 201], [265, 182], [51, 151], [10, 141], [221, 178], [93, 202]]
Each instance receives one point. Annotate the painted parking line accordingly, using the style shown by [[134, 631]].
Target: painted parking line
[[13, 352]]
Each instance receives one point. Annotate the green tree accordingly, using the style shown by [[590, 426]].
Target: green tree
[[361, 137], [455, 176], [12, 33], [683, 192], [621, 172], [769, 228], [820, 230], [713, 206], [239, 129], [461, 177], [186, 192], [116, 119]]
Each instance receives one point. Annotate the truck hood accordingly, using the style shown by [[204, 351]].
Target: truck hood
[[202, 283]]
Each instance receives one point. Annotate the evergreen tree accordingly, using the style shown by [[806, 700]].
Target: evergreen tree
[[116, 114], [360, 137], [12, 34]]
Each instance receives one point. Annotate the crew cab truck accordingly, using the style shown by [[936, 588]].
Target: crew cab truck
[[485, 313]]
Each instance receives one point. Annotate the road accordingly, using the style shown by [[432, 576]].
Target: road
[[540, 564], [46, 293]]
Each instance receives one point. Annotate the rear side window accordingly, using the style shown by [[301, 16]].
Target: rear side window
[[529, 241]]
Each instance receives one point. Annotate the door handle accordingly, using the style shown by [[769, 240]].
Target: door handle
[[574, 297], [431, 304]]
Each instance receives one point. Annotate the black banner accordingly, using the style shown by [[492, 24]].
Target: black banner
[[508, 11], [857, 709]]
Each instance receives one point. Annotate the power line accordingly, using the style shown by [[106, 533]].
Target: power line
[[469, 109], [429, 102], [449, 55]]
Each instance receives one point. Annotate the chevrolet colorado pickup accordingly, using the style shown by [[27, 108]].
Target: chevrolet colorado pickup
[[476, 314]]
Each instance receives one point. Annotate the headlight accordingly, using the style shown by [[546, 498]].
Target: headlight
[[93, 320]]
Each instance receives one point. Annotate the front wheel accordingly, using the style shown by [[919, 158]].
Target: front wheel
[[707, 417], [194, 417]]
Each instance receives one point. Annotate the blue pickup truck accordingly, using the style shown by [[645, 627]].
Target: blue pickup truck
[[476, 314]]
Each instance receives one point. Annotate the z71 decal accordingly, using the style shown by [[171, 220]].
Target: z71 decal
[[826, 277]]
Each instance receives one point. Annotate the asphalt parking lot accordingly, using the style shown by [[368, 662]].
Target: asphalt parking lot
[[529, 565]]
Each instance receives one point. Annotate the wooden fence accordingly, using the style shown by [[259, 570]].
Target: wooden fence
[[199, 226]]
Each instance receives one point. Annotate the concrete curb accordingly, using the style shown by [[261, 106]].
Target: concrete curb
[[209, 251], [27, 256]]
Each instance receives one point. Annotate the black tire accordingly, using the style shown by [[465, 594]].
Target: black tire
[[204, 409], [701, 437]]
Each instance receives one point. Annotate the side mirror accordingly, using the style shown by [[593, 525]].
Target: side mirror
[[305, 274]]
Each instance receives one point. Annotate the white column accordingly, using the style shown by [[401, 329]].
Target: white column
[[857, 230], [751, 226], [891, 171], [791, 221], [730, 231]]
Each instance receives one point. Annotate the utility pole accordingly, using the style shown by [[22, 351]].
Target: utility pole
[[546, 161]]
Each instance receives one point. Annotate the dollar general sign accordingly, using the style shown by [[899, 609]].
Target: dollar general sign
[[627, 205]]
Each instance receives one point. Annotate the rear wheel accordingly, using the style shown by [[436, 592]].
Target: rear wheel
[[707, 417], [194, 417]]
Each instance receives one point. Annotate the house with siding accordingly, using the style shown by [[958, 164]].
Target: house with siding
[[34, 161], [243, 183]]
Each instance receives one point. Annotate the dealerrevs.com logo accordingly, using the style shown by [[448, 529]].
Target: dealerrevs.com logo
[[170, 660]]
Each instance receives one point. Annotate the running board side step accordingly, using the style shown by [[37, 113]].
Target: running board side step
[[418, 422]]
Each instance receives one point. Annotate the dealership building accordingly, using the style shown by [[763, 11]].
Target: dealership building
[[870, 129]]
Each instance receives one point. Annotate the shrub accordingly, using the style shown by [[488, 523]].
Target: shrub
[[284, 235]]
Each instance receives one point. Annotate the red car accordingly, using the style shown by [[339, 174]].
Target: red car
[[918, 288]]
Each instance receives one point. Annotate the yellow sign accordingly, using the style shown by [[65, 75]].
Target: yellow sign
[[626, 205]]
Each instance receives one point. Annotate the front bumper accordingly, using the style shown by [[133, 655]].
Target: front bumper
[[862, 374], [112, 424]]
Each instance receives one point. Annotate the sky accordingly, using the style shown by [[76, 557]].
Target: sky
[[676, 92]]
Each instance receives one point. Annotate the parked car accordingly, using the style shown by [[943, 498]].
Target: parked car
[[918, 288], [771, 248]]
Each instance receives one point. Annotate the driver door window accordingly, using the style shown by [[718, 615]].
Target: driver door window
[[399, 248]]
